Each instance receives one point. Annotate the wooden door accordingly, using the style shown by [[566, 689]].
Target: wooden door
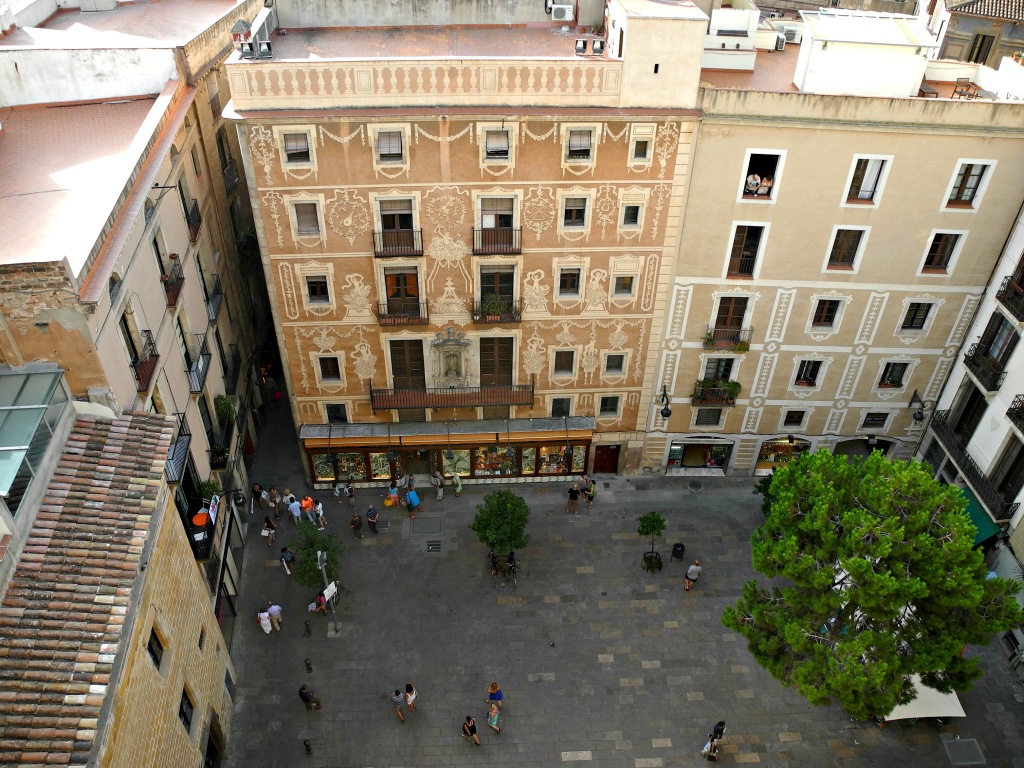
[[731, 310], [495, 362], [606, 459], [407, 369]]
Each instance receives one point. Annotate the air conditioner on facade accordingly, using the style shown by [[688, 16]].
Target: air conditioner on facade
[[774, 15], [561, 12]]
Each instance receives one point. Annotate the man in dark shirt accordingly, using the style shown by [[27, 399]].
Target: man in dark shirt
[[574, 500], [371, 518]]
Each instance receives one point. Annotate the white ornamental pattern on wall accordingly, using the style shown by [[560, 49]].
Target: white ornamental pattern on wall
[[349, 215], [539, 210], [447, 208], [287, 280], [263, 149], [449, 302], [535, 294], [665, 146], [659, 195], [618, 340], [669, 366], [275, 205], [325, 339], [595, 296], [606, 208], [355, 295]]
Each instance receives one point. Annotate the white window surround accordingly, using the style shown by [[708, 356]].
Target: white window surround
[[800, 428], [765, 231], [618, 407], [328, 385], [399, 265], [316, 269], [822, 332], [625, 364], [560, 375], [982, 187], [570, 398], [377, 197], [861, 247], [883, 177], [804, 392], [707, 357], [641, 132], [632, 288], [570, 267], [579, 167], [498, 194], [957, 250], [279, 133], [632, 196], [863, 412], [776, 179], [887, 393], [695, 427], [389, 165], [910, 335], [306, 197], [716, 300], [482, 130], [575, 233]]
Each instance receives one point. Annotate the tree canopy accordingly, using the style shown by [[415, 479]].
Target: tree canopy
[[500, 521], [309, 541], [882, 582]]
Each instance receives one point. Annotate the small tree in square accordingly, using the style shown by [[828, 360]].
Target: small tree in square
[[500, 521], [305, 546]]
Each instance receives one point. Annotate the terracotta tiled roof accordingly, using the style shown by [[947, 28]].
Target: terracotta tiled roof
[[64, 611], [1011, 10]]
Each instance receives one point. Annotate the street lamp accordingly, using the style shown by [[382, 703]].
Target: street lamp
[[321, 563], [917, 415], [666, 412]]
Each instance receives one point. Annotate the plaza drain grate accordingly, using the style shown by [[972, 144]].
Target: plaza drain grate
[[433, 545], [695, 486], [383, 525], [964, 752]]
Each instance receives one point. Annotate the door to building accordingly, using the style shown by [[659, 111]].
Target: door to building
[[496, 362], [407, 369], [606, 458]]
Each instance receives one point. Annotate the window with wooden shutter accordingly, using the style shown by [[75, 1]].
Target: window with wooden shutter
[[496, 145], [296, 148], [307, 221], [389, 147], [579, 145]]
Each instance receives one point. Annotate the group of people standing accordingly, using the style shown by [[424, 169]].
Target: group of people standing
[[587, 488]]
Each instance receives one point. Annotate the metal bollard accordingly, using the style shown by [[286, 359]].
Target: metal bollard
[[309, 665], [309, 629], [308, 746]]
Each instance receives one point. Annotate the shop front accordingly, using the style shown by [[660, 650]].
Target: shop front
[[698, 456], [475, 450], [779, 451]]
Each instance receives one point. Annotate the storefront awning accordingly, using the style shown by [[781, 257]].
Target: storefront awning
[[986, 528]]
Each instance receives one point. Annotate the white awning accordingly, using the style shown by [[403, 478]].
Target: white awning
[[929, 703]]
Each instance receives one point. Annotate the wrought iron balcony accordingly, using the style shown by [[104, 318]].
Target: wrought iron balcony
[[230, 173], [214, 299], [177, 458], [715, 392], [200, 367], [389, 243], [173, 281], [232, 370], [403, 312], [145, 364], [997, 507], [498, 311], [1015, 413], [1011, 296], [451, 397], [499, 241], [741, 266], [987, 370], [194, 219], [737, 339]]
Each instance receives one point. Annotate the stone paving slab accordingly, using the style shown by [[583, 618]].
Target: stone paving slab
[[601, 663]]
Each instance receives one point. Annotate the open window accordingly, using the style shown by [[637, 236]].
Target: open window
[[761, 175]]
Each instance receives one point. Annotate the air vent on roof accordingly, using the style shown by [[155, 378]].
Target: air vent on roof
[[561, 12]]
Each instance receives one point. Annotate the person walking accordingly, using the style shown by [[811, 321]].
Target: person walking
[[274, 611], [410, 697], [718, 731], [356, 524], [692, 574], [318, 513], [438, 482], [294, 509], [412, 501], [410, 482], [590, 491], [287, 560], [269, 530], [275, 502], [398, 699], [307, 508], [371, 518], [574, 500], [494, 695], [710, 751], [492, 718], [350, 492], [264, 621], [393, 495], [469, 730], [309, 698]]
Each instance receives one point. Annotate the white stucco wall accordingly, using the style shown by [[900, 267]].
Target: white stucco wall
[[855, 69], [397, 13]]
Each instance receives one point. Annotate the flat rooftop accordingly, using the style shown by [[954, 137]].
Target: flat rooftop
[[876, 29], [152, 24], [63, 169]]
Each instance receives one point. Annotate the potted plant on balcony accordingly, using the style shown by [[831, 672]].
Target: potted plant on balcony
[[218, 456], [709, 339], [492, 306], [225, 410], [209, 488], [652, 524], [730, 389], [740, 347]]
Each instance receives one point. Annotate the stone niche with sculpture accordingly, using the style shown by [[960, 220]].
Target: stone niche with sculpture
[[451, 358]]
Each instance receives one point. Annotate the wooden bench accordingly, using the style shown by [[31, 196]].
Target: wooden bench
[[927, 91]]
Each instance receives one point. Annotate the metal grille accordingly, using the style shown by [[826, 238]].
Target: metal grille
[[964, 752], [433, 545]]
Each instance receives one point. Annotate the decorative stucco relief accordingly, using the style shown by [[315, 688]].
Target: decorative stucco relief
[[665, 146], [349, 215], [780, 314], [939, 374], [535, 293], [595, 297], [963, 321], [869, 323], [667, 379], [447, 208], [848, 382], [659, 197], [650, 277], [291, 300], [263, 149], [539, 210], [680, 302], [360, 132], [763, 378], [834, 420], [449, 302], [355, 295], [751, 420], [606, 208], [275, 206]]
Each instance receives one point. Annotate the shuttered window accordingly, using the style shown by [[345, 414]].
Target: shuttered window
[[296, 147], [389, 146], [306, 219], [579, 145], [496, 145]]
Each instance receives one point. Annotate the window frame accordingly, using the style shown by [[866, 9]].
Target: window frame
[[961, 236], [910, 334], [826, 320], [978, 196], [698, 419], [303, 198], [317, 298], [380, 164], [280, 132], [573, 165], [846, 201], [483, 197], [910, 309], [158, 657], [314, 269], [555, 371], [186, 715], [745, 170], [562, 271], [498, 164], [622, 371], [884, 373], [616, 293], [604, 414], [798, 425], [854, 267], [321, 375], [639, 132], [815, 383], [581, 211], [575, 231], [327, 413], [869, 414], [551, 406], [762, 244]]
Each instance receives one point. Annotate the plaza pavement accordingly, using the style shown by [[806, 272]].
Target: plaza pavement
[[601, 663]]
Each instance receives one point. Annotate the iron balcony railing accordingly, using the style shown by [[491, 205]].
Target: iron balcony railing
[[728, 338], [1015, 413], [403, 312], [194, 219], [200, 367], [214, 299], [389, 243], [232, 370], [1011, 296], [177, 458], [499, 241], [998, 508], [987, 370], [145, 364], [741, 266], [220, 446], [451, 397], [230, 173], [173, 281], [715, 393], [499, 311]]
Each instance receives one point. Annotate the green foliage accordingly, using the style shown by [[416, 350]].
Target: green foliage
[[209, 488], [885, 584], [225, 409], [652, 524], [500, 522], [305, 547], [493, 305], [763, 487]]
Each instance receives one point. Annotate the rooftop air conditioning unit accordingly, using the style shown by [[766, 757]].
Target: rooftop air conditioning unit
[[780, 42], [774, 15], [793, 35], [561, 12]]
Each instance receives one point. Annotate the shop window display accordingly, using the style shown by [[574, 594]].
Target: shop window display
[[380, 469], [775, 453], [457, 464], [350, 465], [529, 461], [323, 468], [491, 460], [552, 460]]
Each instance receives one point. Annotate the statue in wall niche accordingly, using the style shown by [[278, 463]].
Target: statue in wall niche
[[452, 365]]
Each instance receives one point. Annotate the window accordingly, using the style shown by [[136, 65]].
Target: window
[[981, 47], [609, 405], [202, 637], [389, 147], [874, 420], [396, 215], [708, 417], [402, 289], [337, 413], [807, 373], [561, 407], [845, 246], [893, 375], [743, 255], [623, 285], [640, 149], [569, 282], [825, 312], [185, 710], [940, 252], [998, 341], [641, 144], [630, 215], [296, 148], [718, 369], [794, 419], [317, 289], [866, 183], [155, 648], [307, 220], [564, 362], [575, 212], [759, 180], [195, 163], [330, 370], [917, 315], [497, 281], [496, 145], [615, 363], [497, 212], [966, 185], [580, 143]]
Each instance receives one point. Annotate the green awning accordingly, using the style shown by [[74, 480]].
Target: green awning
[[980, 518]]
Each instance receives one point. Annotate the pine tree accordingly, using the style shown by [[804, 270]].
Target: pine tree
[[884, 583]]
